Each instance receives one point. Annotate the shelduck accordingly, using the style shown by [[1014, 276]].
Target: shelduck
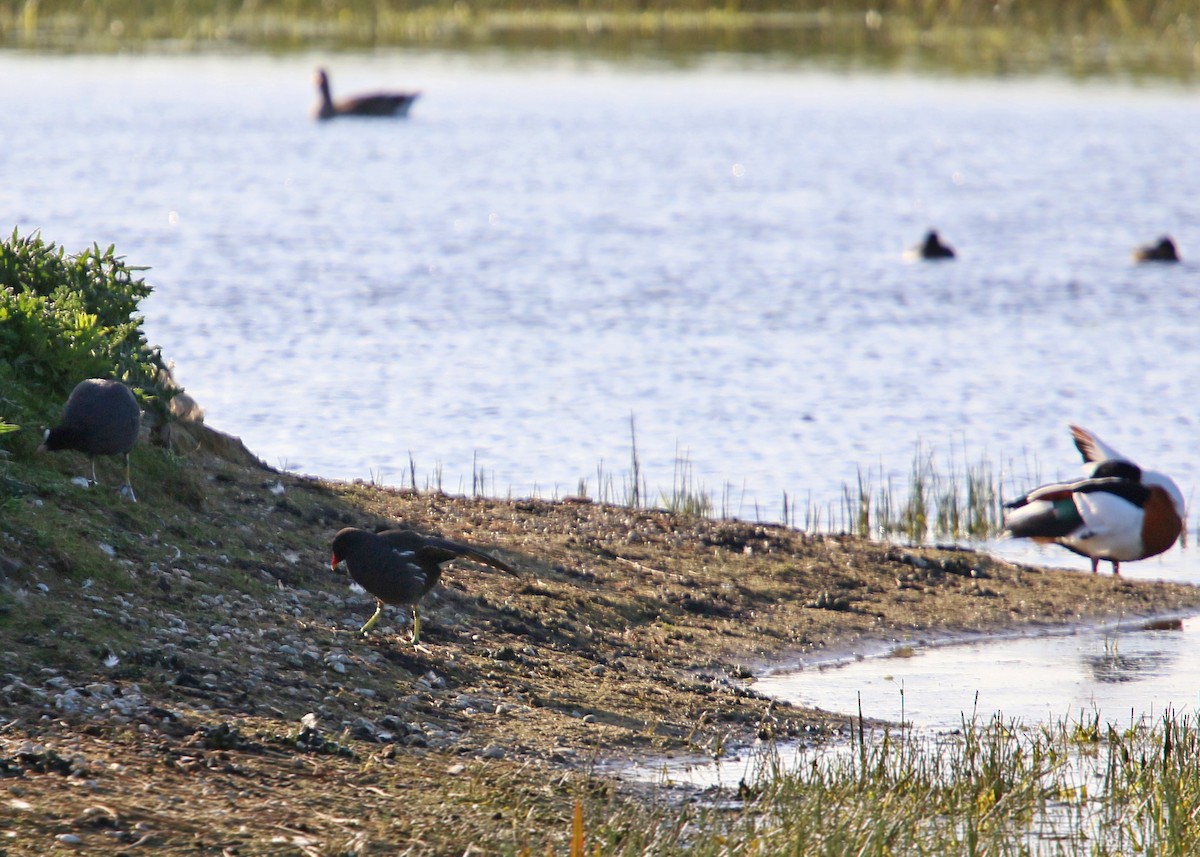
[[1118, 512]]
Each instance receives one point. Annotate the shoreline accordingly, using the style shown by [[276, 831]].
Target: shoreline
[[883, 648], [197, 646]]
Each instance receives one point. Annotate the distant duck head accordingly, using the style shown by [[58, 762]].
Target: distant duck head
[[1161, 251], [933, 247]]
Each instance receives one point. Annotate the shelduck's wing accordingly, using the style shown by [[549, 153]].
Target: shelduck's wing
[[1092, 448], [1053, 516], [1080, 510]]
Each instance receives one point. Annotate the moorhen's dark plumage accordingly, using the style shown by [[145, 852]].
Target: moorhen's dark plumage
[[933, 248], [378, 104], [400, 566], [101, 417], [1163, 251]]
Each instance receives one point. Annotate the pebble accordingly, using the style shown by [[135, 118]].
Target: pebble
[[69, 702], [468, 703], [364, 730], [494, 751], [68, 839]]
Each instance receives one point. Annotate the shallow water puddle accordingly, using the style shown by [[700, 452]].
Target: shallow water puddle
[[1130, 670], [1125, 672], [1134, 669]]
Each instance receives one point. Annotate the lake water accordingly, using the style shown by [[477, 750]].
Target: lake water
[[547, 248]]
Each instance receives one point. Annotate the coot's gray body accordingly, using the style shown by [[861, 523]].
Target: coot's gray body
[[101, 417]]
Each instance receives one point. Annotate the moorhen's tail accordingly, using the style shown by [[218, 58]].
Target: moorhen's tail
[[440, 550]]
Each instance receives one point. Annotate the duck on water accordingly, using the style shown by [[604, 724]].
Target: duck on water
[[376, 104]]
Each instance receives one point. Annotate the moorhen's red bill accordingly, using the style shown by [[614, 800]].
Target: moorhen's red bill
[[400, 566], [101, 417]]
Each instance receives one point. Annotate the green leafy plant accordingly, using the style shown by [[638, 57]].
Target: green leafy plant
[[67, 317]]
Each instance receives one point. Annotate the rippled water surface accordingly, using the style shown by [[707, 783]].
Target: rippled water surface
[[544, 250]]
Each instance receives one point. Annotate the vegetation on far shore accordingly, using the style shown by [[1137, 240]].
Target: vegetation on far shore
[[1137, 38]]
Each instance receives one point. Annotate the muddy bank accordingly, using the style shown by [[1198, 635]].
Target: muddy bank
[[186, 672]]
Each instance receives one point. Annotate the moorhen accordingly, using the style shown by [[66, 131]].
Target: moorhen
[[400, 566], [101, 417]]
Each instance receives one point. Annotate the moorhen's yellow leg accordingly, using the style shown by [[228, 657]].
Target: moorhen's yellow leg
[[371, 622]]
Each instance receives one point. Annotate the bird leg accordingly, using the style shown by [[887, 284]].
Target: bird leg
[[371, 622], [95, 481], [1095, 565], [416, 626], [127, 488], [1116, 568]]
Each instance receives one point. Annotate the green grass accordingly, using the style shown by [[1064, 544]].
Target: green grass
[[945, 497], [686, 496], [994, 787], [962, 501]]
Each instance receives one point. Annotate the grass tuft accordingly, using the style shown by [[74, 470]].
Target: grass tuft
[[996, 786]]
